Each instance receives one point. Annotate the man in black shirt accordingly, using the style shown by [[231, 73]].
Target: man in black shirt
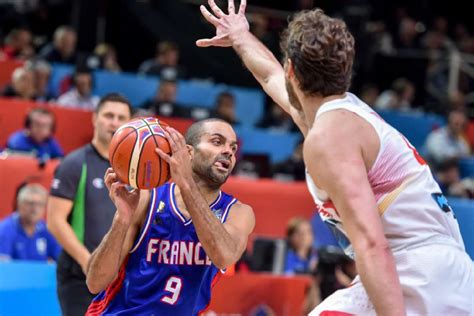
[[80, 211]]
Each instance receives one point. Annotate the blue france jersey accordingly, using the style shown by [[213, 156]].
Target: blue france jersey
[[167, 271]]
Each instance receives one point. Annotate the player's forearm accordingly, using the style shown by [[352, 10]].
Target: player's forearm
[[219, 245], [376, 267], [105, 260], [256, 57], [66, 237]]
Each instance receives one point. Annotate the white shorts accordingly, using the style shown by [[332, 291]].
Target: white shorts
[[435, 279]]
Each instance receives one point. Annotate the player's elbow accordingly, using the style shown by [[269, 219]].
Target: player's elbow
[[223, 261], [93, 286]]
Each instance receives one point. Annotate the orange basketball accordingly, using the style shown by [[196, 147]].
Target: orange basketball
[[132, 153]]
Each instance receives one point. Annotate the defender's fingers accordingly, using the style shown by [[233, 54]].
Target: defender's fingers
[[209, 16], [217, 11], [243, 5]]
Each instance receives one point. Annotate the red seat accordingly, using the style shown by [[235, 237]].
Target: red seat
[[15, 170]]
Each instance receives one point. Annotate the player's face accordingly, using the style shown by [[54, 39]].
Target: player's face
[[31, 208], [214, 157], [111, 116]]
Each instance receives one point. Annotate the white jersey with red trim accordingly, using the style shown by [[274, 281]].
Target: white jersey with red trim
[[410, 203]]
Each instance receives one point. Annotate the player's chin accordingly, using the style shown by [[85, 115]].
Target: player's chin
[[220, 174]]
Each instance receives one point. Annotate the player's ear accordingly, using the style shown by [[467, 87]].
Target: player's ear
[[94, 118], [289, 68], [190, 150]]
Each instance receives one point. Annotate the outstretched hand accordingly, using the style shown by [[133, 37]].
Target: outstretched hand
[[125, 200], [225, 24], [180, 159]]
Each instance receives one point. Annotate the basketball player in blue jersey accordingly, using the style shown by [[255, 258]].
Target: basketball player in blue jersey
[[166, 247]]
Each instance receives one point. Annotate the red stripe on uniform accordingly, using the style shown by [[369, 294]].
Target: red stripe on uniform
[[334, 313], [96, 308], [216, 279]]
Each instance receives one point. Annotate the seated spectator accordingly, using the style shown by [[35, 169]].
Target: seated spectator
[[300, 256], [225, 108], [18, 44], [165, 63], [292, 169], [23, 235], [448, 177], [369, 94], [448, 142], [80, 96], [42, 73], [164, 103], [63, 47], [277, 119], [104, 57], [399, 97], [37, 136], [22, 85]]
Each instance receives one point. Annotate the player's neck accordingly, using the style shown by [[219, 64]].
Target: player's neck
[[210, 195], [102, 149], [312, 104]]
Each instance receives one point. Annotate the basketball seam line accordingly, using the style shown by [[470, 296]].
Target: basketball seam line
[[156, 146]]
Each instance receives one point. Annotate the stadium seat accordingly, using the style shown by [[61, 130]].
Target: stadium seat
[[250, 103], [16, 170], [28, 288], [464, 211], [277, 145], [466, 167], [404, 123]]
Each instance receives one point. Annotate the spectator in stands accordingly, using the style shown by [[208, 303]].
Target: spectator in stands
[[300, 257], [448, 142], [37, 136], [369, 94], [399, 97], [18, 44], [22, 85], [260, 27], [42, 74], [63, 47], [278, 120], [23, 235], [164, 102], [104, 57], [437, 37], [408, 34], [449, 180], [165, 63], [293, 168], [80, 96], [80, 211], [225, 108]]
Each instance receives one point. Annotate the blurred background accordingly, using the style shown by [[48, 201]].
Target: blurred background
[[414, 64]]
